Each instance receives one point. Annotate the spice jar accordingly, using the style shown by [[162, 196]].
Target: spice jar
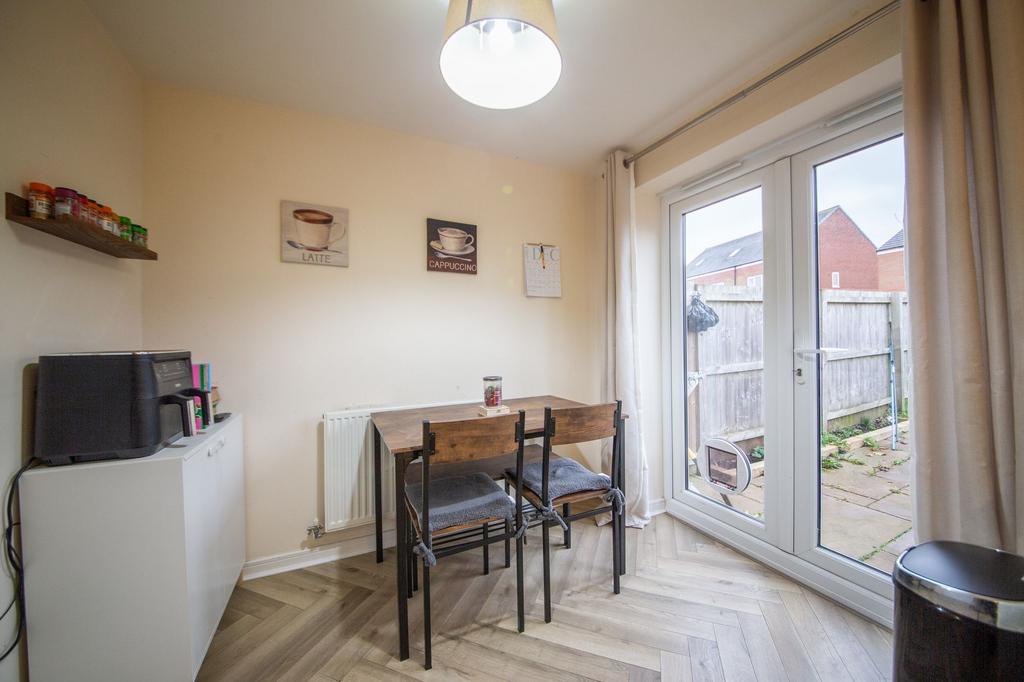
[[65, 203], [107, 219], [492, 391], [40, 200], [138, 235], [126, 228], [94, 212]]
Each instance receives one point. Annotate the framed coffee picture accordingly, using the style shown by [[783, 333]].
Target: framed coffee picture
[[314, 235], [451, 247]]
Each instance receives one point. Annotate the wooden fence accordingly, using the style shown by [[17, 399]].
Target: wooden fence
[[726, 363]]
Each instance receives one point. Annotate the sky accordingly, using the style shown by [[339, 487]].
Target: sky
[[868, 184]]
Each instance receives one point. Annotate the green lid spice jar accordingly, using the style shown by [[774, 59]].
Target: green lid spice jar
[[139, 235], [126, 228]]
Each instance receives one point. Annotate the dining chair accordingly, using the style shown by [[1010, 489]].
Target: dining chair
[[555, 481], [452, 514], [492, 465]]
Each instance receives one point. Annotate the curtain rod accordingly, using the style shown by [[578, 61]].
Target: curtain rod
[[785, 68]]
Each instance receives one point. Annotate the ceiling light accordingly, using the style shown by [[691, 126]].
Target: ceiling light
[[501, 54]]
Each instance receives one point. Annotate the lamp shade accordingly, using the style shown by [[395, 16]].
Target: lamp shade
[[501, 54]]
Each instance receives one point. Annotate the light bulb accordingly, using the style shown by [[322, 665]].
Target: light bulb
[[500, 61], [501, 41]]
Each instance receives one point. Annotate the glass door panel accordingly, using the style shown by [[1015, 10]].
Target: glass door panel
[[724, 311], [724, 294], [864, 357], [851, 336]]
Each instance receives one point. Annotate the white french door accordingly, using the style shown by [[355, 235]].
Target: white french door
[[762, 278], [726, 378], [843, 328]]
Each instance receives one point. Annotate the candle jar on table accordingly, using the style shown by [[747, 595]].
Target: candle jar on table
[[492, 391]]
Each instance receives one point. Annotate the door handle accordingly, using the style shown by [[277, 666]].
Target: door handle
[[812, 353]]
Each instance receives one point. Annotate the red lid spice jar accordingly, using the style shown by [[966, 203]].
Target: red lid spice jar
[[492, 391], [83, 208], [40, 200]]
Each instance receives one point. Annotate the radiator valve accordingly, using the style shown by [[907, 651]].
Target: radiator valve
[[316, 530]]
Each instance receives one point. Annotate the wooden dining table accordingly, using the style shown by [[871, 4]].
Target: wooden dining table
[[400, 432]]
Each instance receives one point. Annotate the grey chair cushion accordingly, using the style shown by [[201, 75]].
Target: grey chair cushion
[[455, 500], [567, 476]]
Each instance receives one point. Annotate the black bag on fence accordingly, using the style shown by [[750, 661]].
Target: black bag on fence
[[700, 317]]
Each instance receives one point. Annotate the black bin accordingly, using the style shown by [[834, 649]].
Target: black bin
[[959, 614]]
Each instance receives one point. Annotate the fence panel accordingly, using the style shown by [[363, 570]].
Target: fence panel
[[854, 330], [728, 359]]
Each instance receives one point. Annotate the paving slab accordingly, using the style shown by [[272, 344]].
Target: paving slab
[[755, 492], [902, 544], [898, 474], [841, 494], [883, 561], [898, 504], [856, 479], [854, 530], [752, 506]]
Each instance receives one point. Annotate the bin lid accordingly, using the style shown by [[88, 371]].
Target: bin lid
[[979, 583]]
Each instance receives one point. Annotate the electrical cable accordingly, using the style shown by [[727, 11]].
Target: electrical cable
[[14, 561]]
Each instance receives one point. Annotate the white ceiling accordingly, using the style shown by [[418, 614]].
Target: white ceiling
[[632, 69]]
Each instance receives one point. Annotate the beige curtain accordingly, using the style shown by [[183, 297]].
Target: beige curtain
[[963, 71], [622, 356]]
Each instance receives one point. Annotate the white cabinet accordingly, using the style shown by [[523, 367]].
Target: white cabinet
[[129, 564]]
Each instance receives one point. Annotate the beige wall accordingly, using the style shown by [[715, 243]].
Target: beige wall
[[288, 342], [72, 115], [648, 222], [858, 53]]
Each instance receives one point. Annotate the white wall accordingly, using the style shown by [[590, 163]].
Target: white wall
[[288, 342], [72, 115]]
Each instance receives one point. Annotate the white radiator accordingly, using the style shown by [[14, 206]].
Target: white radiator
[[348, 467], [348, 471]]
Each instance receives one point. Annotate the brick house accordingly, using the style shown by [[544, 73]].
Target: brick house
[[891, 271], [847, 258]]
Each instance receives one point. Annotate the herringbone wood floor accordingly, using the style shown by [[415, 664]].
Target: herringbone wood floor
[[690, 609]]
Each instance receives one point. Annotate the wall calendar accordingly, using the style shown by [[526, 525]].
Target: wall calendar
[[543, 267]]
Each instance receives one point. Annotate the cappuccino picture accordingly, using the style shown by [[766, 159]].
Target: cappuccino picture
[[451, 247], [314, 235]]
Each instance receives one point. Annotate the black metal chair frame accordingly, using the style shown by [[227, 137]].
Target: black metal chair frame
[[618, 517], [463, 540]]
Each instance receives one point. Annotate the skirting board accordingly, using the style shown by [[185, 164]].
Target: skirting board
[[304, 558]]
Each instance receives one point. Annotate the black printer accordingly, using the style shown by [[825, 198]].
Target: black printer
[[94, 406]]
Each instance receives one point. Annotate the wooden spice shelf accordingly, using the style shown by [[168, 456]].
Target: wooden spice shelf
[[77, 231]]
